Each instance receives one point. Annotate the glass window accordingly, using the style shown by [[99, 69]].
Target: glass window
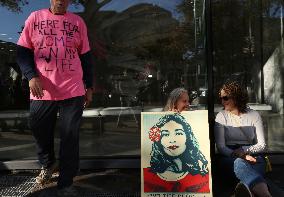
[[141, 51], [248, 47]]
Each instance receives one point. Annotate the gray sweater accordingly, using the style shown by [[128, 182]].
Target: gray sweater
[[245, 130]]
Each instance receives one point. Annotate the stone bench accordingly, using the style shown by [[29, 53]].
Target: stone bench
[[19, 119]]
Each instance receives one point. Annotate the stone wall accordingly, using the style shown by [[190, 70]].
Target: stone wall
[[273, 79]]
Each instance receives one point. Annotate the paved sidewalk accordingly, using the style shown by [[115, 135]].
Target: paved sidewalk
[[100, 183], [106, 183]]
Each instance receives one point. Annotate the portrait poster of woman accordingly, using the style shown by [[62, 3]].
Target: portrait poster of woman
[[175, 154]]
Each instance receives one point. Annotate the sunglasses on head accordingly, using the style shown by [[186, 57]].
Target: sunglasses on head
[[225, 98]]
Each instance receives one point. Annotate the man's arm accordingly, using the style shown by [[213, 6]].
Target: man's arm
[[88, 75], [25, 59], [88, 69]]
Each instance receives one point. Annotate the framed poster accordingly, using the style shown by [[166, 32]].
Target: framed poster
[[175, 154]]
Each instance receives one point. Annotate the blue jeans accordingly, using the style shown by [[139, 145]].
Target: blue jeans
[[250, 174]]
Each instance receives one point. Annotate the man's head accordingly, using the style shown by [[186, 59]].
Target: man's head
[[59, 6]]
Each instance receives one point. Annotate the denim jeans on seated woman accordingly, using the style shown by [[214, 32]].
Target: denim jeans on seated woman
[[237, 169], [250, 173]]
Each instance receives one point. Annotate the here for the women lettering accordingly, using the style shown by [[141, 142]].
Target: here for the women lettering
[[46, 24], [55, 36]]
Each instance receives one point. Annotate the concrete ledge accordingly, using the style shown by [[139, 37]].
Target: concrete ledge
[[14, 114], [92, 112], [19, 165], [254, 106], [260, 107], [94, 163], [157, 109], [116, 111]]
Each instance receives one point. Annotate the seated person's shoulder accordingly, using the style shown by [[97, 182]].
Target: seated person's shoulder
[[221, 116]]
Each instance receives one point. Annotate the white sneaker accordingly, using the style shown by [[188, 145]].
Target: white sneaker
[[46, 174], [67, 191]]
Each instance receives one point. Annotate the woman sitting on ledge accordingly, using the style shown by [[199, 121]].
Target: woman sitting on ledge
[[240, 140], [178, 100]]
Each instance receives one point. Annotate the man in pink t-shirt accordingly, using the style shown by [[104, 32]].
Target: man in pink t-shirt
[[54, 55]]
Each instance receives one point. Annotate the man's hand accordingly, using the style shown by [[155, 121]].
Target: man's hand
[[36, 87], [88, 97]]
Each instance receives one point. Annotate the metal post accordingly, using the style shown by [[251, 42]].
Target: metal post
[[210, 79], [261, 52]]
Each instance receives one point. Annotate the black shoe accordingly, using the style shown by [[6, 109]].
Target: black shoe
[[242, 190]]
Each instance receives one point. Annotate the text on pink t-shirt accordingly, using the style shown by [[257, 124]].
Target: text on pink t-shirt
[[57, 42]]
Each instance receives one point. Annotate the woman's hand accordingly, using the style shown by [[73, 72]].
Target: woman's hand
[[239, 153], [250, 159]]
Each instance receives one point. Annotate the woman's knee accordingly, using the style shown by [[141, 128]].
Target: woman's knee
[[240, 165]]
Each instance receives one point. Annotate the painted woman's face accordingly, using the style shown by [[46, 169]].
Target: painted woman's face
[[173, 138], [227, 101], [182, 102]]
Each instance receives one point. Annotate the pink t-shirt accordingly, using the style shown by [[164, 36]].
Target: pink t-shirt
[[57, 41]]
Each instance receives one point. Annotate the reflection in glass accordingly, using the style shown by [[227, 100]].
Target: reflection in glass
[[145, 49], [248, 47], [141, 49]]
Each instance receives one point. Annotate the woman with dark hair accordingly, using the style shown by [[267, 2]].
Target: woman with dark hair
[[177, 164], [240, 140]]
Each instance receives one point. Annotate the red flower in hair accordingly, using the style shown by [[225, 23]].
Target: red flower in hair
[[155, 134]]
